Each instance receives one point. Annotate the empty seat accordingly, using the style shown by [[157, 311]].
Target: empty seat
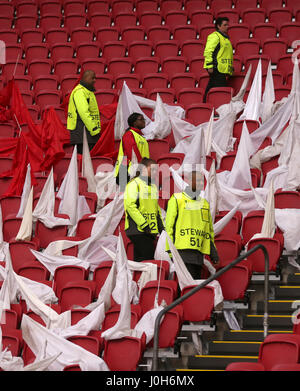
[[281, 15], [112, 49], [87, 50], [287, 199], [219, 96], [201, 17], [198, 113], [133, 33], [157, 33], [234, 282], [112, 315], [187, 96], [237, 31], [182, 80], [65, 274], [108, 33], [257, 259], [100, 274], [26, 22], [6, 130], [145, 65], [166, 48], [20, 253], [279, 349], [9, 205], [165, 289], [150, 18], [87, 342], [47, 235], [228, 249], [193, 311], [11, 68], [39, 67], [55, 35], [50, 21], [137, 49], [192, 47], [11, 226], [36, 272], [46, 83], [252, 125], [275, 48], [253, 16], [254, 60], [158, 147], [263, 31], [84, 227], [9, 35], [74, 20], [184, 32], [48, 97], [66, 66], [247, 47], [75, 295], [175, 18], [124, 19], [158, 80], [102, 19], [116, 353]]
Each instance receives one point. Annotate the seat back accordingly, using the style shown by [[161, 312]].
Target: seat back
[[116, 353], [100, 274], [164, 290], [87, 342], [257, 259], [199, 306], [65, 274], [234, 282], [75, 295]]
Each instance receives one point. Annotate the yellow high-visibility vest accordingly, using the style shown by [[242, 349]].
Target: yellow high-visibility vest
[[218, 53], [189, 223], [141, 207], [83, 102], [142, 145]]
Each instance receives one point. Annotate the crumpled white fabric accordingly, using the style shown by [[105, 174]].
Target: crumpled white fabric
[[53, 262], [87, 166], [71, 203], [25, 230], [44, 209], [253, 104], [25, 192], [268, 96], [15, 284], [160, 127], [90, 249], [211, 192], [269, 226], [92, 321], [36, 337], [240, 176], [127, 105], [106, 186], [288, 220]]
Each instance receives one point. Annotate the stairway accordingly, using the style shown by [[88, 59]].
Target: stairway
[[243, 345]]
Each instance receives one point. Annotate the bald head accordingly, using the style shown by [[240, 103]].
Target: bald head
[[89, 78]]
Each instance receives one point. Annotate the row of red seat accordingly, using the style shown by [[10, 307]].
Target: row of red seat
[[25, 8], [123, 18]]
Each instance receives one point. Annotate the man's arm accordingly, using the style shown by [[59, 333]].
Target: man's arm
[[130, 202], [171, 215], [82, 107], [211, 44]]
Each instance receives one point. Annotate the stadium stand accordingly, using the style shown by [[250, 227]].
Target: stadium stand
[[156, 47]]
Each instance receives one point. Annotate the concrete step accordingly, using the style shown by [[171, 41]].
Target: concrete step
[[293, 279], [283, 307], [280, 322], [217, 362], [239, 348], [287, 292], [250, 335]]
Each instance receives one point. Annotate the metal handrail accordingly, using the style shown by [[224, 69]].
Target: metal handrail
[[202, 285]]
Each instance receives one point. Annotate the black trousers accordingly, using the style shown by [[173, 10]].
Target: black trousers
[[193, 260], [216, 79], [80, 147], [143, 247]]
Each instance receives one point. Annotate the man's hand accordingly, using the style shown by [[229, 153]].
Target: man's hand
[[210, 70]]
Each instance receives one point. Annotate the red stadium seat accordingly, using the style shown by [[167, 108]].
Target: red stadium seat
[[133, 33], [240, 275], [253, 16], [158, 32], [56, 34], [192, 311], [166, 48], [199, 113], [184, 32], [146, 65], [275, 48], [219, 96], [279, 16], [257, 259]]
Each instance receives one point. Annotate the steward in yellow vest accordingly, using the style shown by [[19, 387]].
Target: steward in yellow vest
[[218, 56], [143, 219], [83, 112], [189, 225], [132, 142]]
